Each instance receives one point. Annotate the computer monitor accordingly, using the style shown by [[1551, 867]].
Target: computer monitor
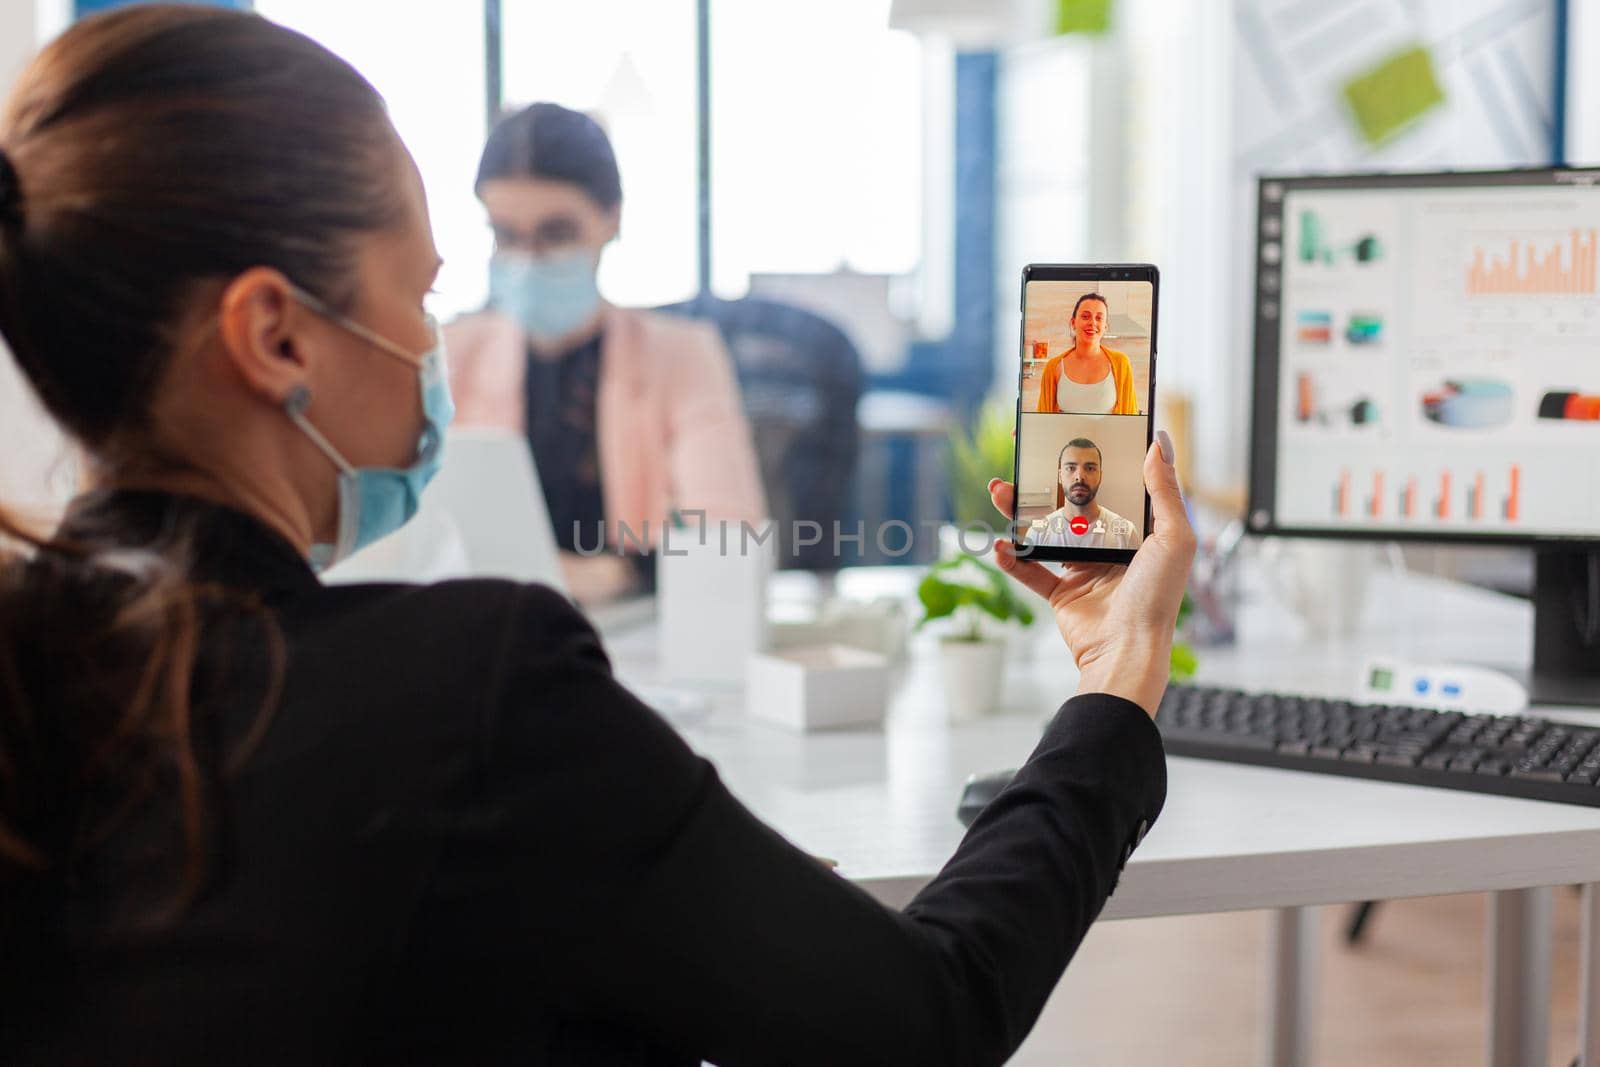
[[1427, 367]]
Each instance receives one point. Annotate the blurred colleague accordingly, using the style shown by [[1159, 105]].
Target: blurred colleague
[[632, 415], [1079, 521], [1088, 378]]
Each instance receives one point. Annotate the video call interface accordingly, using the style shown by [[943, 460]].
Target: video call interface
[[1434, 349], [1084, 425]]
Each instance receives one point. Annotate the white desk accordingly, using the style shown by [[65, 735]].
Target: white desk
[[1231, 837]]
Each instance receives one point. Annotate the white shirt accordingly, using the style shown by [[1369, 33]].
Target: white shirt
[[1108, 530], [1096, 397]]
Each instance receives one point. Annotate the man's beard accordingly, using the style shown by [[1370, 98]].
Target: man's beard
[[1088, 494]]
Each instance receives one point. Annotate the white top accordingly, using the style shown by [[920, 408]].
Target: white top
[[1096, 397], [1108, 530], [882, 801]]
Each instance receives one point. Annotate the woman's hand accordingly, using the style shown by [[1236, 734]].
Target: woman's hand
[[1118, 621], [597, 579]]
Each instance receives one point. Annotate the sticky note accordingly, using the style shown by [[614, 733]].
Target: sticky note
[[1083, 16], [1390, 96]]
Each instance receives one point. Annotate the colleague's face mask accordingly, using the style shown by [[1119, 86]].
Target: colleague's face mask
[[549, 296], [376, 501]]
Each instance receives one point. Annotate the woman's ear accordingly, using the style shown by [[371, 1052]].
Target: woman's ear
[[261, 325]]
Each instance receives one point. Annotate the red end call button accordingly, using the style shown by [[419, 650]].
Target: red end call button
[[1078, 525]]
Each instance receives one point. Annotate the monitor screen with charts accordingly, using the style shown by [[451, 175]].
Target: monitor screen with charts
[[1428, 356]]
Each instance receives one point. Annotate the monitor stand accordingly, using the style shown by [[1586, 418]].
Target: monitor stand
[[1566, 627]]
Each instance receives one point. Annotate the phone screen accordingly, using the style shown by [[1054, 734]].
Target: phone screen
[[1085, 410]]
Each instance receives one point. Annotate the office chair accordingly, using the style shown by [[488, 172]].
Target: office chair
[[800, 377]]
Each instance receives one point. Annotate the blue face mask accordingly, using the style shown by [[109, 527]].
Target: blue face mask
[[548, 296], [376, 501]]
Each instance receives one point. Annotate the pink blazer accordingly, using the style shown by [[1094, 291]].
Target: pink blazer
[[671, 432]]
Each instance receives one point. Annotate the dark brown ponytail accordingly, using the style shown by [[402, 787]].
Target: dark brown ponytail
[[154, 153]]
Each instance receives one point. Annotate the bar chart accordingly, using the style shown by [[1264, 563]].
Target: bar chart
[[1468, 496], [1562, 266]]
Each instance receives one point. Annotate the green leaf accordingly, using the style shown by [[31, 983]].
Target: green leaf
[[1183, 662], [938, 599], [970, 583]]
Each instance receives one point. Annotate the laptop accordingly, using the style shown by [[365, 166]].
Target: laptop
[[482, 516]]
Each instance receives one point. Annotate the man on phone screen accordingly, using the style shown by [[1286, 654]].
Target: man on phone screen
[[1078, 521]]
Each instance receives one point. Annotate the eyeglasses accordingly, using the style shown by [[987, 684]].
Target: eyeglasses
[[551, 235]]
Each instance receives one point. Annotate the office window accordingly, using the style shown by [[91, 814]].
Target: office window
[[1043, 175], [819, 133], [817, 140], [632, 65], [429, 67]]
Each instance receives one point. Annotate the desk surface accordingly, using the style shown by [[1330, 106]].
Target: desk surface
[[882, 802]]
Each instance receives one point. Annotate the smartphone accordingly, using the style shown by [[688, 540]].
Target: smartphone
[[1086, 404]]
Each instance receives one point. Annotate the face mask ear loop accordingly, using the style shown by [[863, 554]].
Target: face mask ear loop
[[294, 406], [389, 347]]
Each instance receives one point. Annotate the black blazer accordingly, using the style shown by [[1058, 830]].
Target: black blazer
[[461, 840]]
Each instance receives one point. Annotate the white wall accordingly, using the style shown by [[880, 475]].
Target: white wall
[[1042, 183], [33, 477], [1101, 164], [1179, 179], [1583, 82]]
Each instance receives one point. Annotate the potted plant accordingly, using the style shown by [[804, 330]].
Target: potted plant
[[967, 590]]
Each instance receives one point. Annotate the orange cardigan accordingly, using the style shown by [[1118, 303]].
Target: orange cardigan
[[1121, 376]]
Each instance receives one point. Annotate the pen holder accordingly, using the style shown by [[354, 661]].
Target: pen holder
[[1323, 583], [711, 592]]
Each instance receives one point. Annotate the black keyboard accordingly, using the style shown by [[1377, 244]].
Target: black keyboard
[[1515, 756]]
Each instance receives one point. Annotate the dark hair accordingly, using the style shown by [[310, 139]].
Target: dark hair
[[158, 148], [1089, 296], [556, 143], [1076, 442], [157, 151]]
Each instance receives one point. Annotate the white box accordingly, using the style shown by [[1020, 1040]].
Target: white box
[[819, 688], [872, 626]]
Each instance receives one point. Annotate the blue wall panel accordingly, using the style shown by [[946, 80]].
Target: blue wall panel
[[81, 8]]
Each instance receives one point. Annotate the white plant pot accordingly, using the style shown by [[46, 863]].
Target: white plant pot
[[973, 672]]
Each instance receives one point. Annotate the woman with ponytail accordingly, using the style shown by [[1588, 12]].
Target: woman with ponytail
[[247, 818]]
